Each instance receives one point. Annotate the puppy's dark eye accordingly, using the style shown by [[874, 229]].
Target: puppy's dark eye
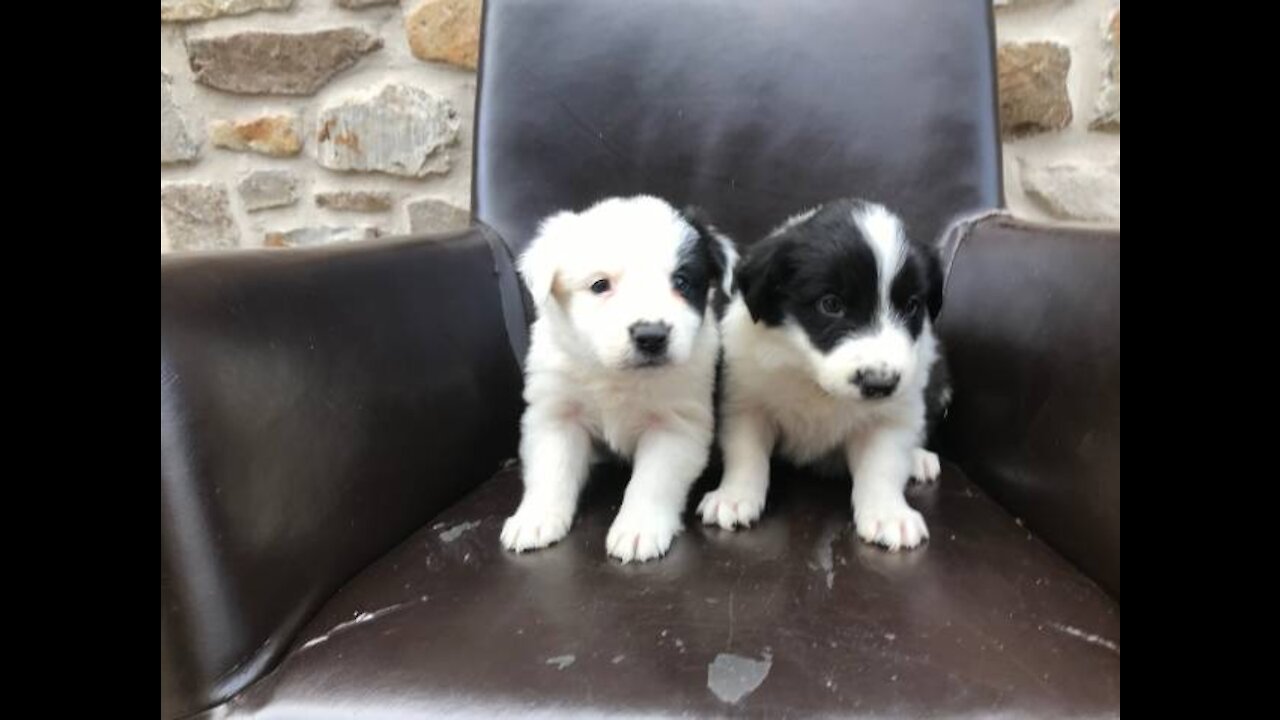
[[831, 305], [680, 283], [600, 286], [912, 308]]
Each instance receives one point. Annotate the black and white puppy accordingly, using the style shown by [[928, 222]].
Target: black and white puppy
[[623, 352], [828, 352]]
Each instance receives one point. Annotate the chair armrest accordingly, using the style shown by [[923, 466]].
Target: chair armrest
[[316, 407], [1031, 327]]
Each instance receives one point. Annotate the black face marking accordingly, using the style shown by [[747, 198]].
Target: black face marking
[[830, 261], [823, 273], [908, 292], [701, 263]]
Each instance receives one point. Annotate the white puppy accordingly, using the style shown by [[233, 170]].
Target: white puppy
[[828, 352], [623, 352]]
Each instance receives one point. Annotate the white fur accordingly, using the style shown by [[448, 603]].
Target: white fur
[[883, 230], [794, 220], [780, 392], [926, 466], [582, 382], [730, 254]]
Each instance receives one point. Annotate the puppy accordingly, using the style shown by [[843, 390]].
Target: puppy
[[828, 352], [623, 353]]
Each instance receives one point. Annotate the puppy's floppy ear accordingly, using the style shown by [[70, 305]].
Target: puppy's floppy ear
[[764, 270], [540, 262], [723, 253], [934, 279]]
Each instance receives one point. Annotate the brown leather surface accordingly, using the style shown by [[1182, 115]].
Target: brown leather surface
[[1032, 326], [316, 407], [983, 620], [752, 109]]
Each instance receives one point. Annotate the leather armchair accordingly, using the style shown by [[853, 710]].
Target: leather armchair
[[338, 425]]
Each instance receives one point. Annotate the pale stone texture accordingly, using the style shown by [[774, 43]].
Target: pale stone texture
[[1018, 4], [357, 4], [401, 130], [277, 63], [189, 10], [1090, 139], [1106, 115], [177, 144], [1033, 88], [197, 216], [1075, 24], [432, 216], [365, 201], [1074, 189], [322, 235], [266, 189], [273, 135], [445, 31]]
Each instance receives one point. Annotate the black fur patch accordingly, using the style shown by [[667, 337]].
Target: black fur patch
[[937, 396], [701, 266]]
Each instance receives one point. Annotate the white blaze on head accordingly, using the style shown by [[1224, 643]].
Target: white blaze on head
[[883, 232]]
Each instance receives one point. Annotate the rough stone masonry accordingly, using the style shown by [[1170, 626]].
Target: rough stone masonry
[[297, 122]]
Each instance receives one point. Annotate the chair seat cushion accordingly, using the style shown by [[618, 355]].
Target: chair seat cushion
[[793, 617]]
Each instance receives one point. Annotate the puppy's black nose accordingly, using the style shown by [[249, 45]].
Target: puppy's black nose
[[875, 383], [650, 338]]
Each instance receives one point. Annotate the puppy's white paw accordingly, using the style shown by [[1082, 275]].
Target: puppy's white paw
[[641, 536], [925, 466], [890, 522], [535, 527], [731, 507]]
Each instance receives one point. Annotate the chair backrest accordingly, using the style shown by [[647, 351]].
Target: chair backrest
[[752, 109]]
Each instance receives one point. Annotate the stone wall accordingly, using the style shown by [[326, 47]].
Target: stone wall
[[1059, 64], [295, 122]]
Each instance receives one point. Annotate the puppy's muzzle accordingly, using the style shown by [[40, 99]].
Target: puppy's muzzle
[[876, 383], [650, 339]]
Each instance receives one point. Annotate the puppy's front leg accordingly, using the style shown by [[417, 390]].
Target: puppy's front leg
[[881, 463], [747, 441], [667, 462], [554, 453]]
